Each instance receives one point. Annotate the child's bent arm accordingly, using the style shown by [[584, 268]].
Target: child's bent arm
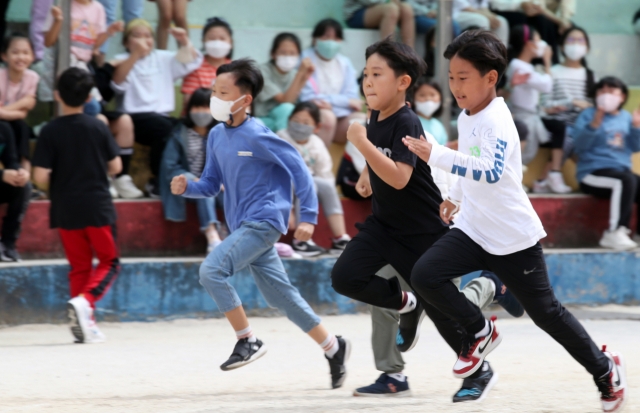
[[210, 180], [394, 174], [123, 69], [541, 82]]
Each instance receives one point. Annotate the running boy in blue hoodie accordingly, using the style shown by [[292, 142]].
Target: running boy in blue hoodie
[[257, 169]]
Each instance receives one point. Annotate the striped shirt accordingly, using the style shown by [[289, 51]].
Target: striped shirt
[[569, 84], [195, 152], [204, 76]]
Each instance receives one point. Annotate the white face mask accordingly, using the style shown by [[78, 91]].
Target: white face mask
[[541, 46], [427, 108], [608, 102], [575, 51], [217, 48], [287, 63], [221, 109]]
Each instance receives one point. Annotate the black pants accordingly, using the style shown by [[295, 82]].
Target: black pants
[[558, 130], [548, 30], [17, 199], [347, 179], [622, 187], [152, 129], [354, 274], [523, 272]]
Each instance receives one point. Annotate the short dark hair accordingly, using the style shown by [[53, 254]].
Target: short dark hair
[[612, 81], [217, 22], [282, 37], [248, 76], [323, 25], [482, 49], [519, 36], [400, 57], [200, 98], [422, 81], [6, 44], [309, 107], [74, 86]]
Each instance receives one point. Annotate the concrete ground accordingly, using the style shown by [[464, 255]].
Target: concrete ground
[[172, 366]]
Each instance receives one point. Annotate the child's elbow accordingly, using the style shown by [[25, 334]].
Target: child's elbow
[[400, 183]]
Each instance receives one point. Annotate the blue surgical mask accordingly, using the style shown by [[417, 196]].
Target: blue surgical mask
[[328, 49]]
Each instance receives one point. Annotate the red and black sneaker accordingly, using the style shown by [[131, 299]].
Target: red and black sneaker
[[613, 385], [474, 350]]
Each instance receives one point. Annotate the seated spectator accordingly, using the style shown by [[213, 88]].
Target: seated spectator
[[284, 77], [18, 87], [426, 16], [303, 124], [526, 45], [131, 9], [217, 40], [427, 103], [15, 191], [185, 155], [170, 11], [605, 137], [573, 82], [549, 17], [476, 14], [143, 82], [332, 86], [384, 15]]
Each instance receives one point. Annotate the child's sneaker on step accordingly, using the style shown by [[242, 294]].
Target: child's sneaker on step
[[541, 187], [556, 183], [244, 352], [339, 244], [618, 239]]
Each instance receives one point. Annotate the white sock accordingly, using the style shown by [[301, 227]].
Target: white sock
[[484, 331], [246, 333], [409, 304], [398, 376], [330, 345]]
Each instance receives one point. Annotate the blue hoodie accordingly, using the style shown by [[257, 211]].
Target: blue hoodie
[[257, 169], [608, 147]]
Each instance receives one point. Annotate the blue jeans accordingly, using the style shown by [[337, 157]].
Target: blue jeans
[[251, 247], [131, 9], [424, 24], [206, 208]]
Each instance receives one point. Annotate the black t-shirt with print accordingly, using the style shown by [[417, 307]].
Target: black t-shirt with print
[[77, 148], [414, 209]]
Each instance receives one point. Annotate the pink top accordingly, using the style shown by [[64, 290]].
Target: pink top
[[12, 92], [88, 21]]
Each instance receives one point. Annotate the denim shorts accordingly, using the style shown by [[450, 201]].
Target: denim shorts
[[356, 21]]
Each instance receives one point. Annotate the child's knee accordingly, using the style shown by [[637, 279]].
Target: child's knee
[[340, 278], [392, 11], [212, 273], [406, 11], [328, 119]]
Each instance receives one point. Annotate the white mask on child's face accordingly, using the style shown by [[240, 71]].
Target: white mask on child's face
[[575, 51], [217, 48], [427, 108], [221, 109], [287, 63], [541, 46], [608, 102]]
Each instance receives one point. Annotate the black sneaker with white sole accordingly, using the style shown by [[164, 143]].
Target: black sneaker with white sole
[[338, 245], [409, 328], [9, 254], [476, 387], [338, 363], [307, 248], [244, 353]]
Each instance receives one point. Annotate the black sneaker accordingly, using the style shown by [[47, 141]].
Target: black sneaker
[[503, 296], [9, 254], [307, 248], [244, 353], [337, 363], [409, 328], [385, 386], [338, 245], [476, 387]]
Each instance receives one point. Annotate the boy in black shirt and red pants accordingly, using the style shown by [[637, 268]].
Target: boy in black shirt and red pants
[[75, 152]]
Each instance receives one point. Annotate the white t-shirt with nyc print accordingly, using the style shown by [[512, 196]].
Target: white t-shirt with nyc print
[[496, 212]]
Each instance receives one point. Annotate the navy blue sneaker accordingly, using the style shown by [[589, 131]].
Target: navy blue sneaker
[[476, 387], [385, 386], [503, 296]]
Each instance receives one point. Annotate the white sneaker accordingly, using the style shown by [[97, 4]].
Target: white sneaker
[[112, 189], [126, 189], [83, 326], [613, 386], [541, 187], [617, 240], [94, 335], [556, 183]]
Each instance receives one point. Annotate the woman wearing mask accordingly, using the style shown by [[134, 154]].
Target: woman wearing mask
[[284, 77], [605, 137], [185, 155], [217, 41], [526, 45], [332, 86]]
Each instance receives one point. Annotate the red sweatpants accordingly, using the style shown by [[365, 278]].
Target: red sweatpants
[[80, 246]]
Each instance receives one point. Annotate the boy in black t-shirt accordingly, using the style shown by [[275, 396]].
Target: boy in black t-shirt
[[75, 152]]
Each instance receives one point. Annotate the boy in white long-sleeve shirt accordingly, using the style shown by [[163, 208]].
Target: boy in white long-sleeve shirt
[[497, 229]]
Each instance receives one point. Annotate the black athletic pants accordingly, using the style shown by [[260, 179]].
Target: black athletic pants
[[17, 200], [152, 129], [621, 186], [523, 272], [558, 130]]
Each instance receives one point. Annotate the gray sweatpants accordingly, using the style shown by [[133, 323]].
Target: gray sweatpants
[[328, 196], [385, 321]]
